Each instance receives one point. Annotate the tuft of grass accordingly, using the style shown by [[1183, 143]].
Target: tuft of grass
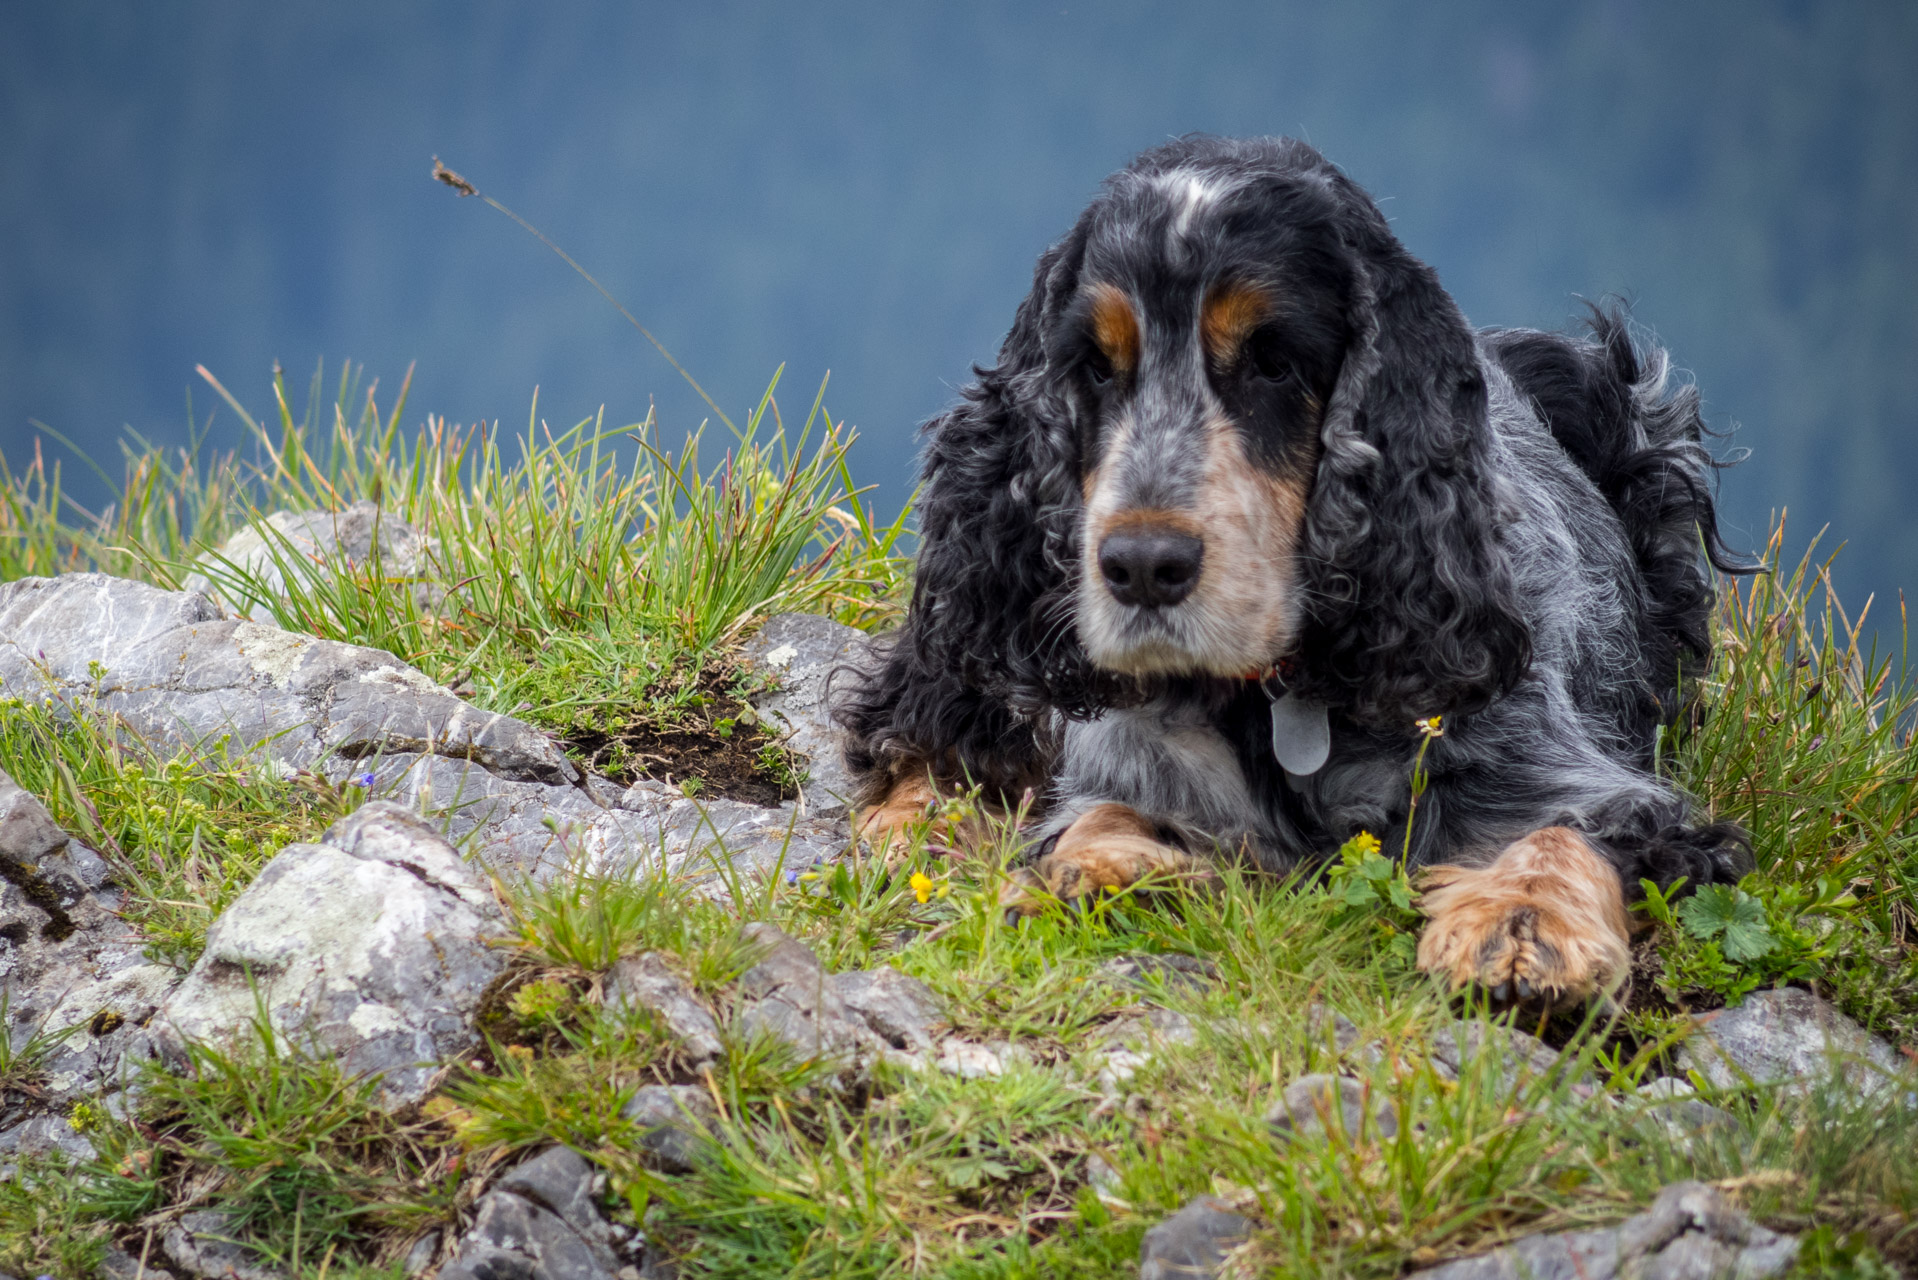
[[1806, 737], [185, 831], [591, 579]]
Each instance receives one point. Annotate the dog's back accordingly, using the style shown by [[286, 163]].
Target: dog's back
[[1610, 408]]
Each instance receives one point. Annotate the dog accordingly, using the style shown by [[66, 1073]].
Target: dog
[[1247, 523]]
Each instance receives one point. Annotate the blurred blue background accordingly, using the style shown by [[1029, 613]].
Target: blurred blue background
[[864, 189]]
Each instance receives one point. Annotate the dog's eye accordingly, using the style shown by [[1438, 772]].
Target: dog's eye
[[1097, 366], [1266, 358]]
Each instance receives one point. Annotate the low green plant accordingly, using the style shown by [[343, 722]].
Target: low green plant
[[1729, 940], [1804, 734], [185, 830], [1364, 885], [298, 1155]]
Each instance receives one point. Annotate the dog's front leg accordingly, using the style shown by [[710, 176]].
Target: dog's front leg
[[1107, 848], [1544, 922], [913, 807]]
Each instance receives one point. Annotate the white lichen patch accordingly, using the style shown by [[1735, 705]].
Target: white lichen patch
[[271, 652], [405, 678]]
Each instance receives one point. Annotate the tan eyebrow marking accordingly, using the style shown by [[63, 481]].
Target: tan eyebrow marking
[[1229, 316], [1115, 328]]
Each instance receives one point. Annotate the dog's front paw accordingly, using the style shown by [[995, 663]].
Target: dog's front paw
[[1544, 923], [915, 810], [1106, 849]]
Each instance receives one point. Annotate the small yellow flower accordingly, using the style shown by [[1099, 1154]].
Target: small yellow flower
[[1365, 842], [1430, 726], [921, 885]]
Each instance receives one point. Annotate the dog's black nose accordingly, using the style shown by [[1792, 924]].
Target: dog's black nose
[[1150, 567]]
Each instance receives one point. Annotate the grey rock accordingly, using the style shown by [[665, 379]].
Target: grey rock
[[28, 832], [202, 1244], [1513, 1058], [673, 1120], [539, 1223], [564, 1183], [535, 831], [752, 839], [117, 1264], [1306, 1106], [1169, 972], [1328, 1029], [1192, 1243], [801, 651], [1685, 1120], [793, 1003], [1786, 1037], [1104, 1179], [372, 947], [1690, 1233], [179, 673], [425, 1251], [647, 983], [783, 962], [901, 1010], [971, 1060], [73, 972], [1130, 1042], [313, 542], [41, 1133], [1151, 1028]]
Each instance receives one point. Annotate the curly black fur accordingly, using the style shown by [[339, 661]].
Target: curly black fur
[[1512, 529]]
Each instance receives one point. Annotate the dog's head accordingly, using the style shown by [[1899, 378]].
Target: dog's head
[[1234, 422]]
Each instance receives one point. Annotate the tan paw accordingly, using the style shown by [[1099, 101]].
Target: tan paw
[[1106, 849], [1544, 923], [912, 811]]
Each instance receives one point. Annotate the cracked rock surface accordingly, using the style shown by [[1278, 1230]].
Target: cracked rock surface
[[1515, 1057], [201, 1244], [541, 1222], [1192, 1243], [371, 946], [319, 538], [1311, 1105], [1690, 1233], [648, 984], [1786, 1036], [181, 672], [847, 1018], [673, 1119], [71, 969], [801, 651]]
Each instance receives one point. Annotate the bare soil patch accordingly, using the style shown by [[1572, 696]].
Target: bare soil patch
[[714, 749]]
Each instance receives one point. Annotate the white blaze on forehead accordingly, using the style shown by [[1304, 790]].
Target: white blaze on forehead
[[1189, 193]]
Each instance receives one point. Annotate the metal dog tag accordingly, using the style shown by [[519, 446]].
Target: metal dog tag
[[1301, 734]]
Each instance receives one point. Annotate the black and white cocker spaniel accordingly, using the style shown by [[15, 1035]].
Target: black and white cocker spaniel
[[1243, 501]]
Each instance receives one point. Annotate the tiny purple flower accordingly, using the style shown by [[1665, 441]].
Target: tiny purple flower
[[792, 877], [362, 779]]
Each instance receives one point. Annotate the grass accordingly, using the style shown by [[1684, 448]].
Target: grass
[[185, 831], [1809, 741], [589, 579], [606, 580]]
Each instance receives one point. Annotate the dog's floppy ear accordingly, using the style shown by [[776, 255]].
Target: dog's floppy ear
[[989, 642], [1413, 612]]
